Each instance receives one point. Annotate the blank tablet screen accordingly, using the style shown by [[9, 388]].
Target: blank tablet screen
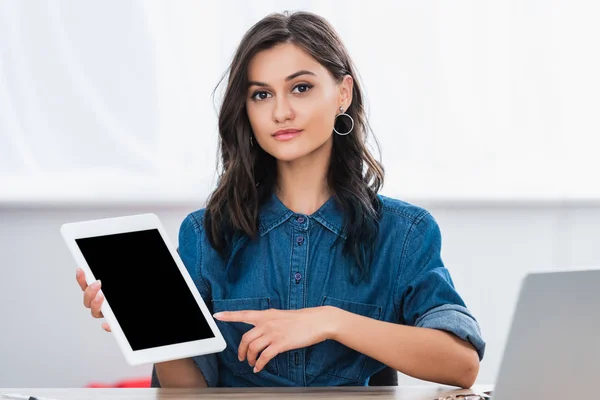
[[145, 289]]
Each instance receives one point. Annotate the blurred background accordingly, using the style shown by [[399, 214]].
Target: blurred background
[[486, 113]]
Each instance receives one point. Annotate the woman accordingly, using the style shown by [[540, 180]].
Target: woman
[[314, 277]]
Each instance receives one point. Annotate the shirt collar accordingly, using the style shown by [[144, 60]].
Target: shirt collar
[[273, 213]]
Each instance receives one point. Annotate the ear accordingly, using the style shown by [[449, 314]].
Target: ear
[[346, 92]]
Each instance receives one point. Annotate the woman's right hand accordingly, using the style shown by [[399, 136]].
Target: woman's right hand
[[92, 297]]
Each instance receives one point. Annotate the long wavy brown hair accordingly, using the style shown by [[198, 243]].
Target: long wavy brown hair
[[247, 174]]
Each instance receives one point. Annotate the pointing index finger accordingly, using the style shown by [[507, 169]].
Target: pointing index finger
[[246, 316]]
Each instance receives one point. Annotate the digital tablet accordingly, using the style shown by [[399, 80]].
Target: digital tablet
[[150, 300]]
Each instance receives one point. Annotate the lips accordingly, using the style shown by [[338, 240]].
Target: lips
[[286, 131], [286, 134]]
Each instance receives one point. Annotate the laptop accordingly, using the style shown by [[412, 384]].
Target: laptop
[[553, 347]]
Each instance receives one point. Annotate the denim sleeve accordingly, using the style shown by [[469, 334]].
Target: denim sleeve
[[190, 251], [425, 294]]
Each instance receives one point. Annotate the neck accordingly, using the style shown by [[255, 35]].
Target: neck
[[302, 184]]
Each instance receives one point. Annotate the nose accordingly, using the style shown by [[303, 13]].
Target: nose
[[283, 110]]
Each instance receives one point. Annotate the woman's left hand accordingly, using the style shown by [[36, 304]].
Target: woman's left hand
[[276, 331]]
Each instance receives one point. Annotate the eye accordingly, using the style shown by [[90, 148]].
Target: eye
[[303, 87], [260, 95]]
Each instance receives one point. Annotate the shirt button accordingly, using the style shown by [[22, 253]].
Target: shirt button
[[300, 240], [300, 219], [298, 276]]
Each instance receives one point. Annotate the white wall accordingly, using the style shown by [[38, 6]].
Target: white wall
[[48, 339], [469, 99]]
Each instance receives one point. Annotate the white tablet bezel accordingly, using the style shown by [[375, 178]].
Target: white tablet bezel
[[130, 223]]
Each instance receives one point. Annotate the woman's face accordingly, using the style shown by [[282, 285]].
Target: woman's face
[[292, 101]]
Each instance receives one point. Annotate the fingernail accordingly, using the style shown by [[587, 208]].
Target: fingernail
[[78, 271], [98, 296], [255, 370], [96, 284], [218, 315]]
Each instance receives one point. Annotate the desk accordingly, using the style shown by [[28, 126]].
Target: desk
[[329, 393]]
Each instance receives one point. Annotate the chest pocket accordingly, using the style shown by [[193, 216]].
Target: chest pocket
[[335, 359], [233, 331]]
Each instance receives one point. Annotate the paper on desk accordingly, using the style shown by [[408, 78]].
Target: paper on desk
[[17, 396]]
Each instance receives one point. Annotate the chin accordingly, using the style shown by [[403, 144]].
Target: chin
[[295, 151], [289, 156]]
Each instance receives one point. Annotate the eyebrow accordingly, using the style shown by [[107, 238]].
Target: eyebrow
[[289, 78]]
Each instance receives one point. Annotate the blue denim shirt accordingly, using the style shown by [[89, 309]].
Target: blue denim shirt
[[292, 265]]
